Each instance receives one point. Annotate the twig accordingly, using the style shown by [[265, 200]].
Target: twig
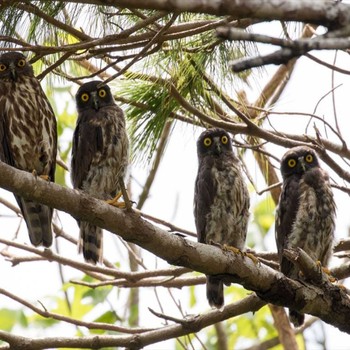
[[158, 156], [89, 325], [168, 318], [168, 282], [172, 228], [270, 343]]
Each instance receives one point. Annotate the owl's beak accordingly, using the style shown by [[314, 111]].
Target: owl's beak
[[217, 148], [13, 71], [302, 163], [95, 102]]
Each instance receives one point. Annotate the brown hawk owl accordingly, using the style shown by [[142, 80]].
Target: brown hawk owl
[[28, 136], [305, 215], [221, 200], [99, 155]]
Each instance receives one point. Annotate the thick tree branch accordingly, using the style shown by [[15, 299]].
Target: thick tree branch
[[137, 341], [328, 13], [289, 48], [90, 325], [326, 301]]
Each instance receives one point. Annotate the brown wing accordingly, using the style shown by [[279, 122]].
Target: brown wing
[[285, 218], [28, 141], [87, 140], [205, 190], [5, 154]]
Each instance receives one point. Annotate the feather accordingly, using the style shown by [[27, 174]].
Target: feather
[[28, 137]]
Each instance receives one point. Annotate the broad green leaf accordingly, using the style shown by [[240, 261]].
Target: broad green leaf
[[9, 318], [264, 215]]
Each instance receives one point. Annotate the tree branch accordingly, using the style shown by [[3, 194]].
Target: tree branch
[[329, 14], [325, 301], [137, 341]]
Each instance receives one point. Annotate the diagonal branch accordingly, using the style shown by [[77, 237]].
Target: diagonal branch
[[136, 341], [327, 13], [325, 301]]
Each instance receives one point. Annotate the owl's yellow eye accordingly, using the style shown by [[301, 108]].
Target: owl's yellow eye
[[207, 141], [85, 97], [224, 139], [102, 93], [309, 158], [2, 67], [292, 163], [21, 63]]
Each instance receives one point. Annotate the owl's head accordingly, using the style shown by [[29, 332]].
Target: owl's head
[[14, 64], [214, 142], [298, 160], [94, 95]]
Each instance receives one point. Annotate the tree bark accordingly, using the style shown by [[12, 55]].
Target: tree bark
[[326, 301]]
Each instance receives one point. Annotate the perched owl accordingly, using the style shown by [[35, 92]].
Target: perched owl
[[221, 200], [28, 136], [99, 155], [305, 214]]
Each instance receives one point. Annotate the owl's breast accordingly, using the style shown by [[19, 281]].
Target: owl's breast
[[31, 126], [110, 162], [313, 229], [228, 215]]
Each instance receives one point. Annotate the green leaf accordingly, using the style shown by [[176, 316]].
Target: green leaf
[[193, 298], [107, 317], [9, 318], [263, 213]]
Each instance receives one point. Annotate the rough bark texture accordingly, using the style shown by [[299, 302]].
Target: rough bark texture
[[328, 13], [326, 301]]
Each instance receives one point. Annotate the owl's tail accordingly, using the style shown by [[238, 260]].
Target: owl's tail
[[215, 292], [90, 242], [296, 318], [38, 218]]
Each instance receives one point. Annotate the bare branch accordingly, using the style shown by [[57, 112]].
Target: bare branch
[[325, 13], [326, 301], [89, 325], [139, 340]]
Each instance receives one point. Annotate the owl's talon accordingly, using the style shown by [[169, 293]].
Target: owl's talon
[[44, 177], [211, 242], [327, 272], [128, 203], [241, 252], [235, 250], [252, 257], [342, 287], [115, 203]]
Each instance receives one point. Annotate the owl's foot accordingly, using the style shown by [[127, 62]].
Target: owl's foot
[[242, 253], [252, 257], [232, 249], [211, 242], [326, 271], [115, 203], [128, 202], [44, 177]]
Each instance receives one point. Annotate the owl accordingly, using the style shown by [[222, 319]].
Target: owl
[[305, 215], [100, 154], [28, 136], [221, 200]]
